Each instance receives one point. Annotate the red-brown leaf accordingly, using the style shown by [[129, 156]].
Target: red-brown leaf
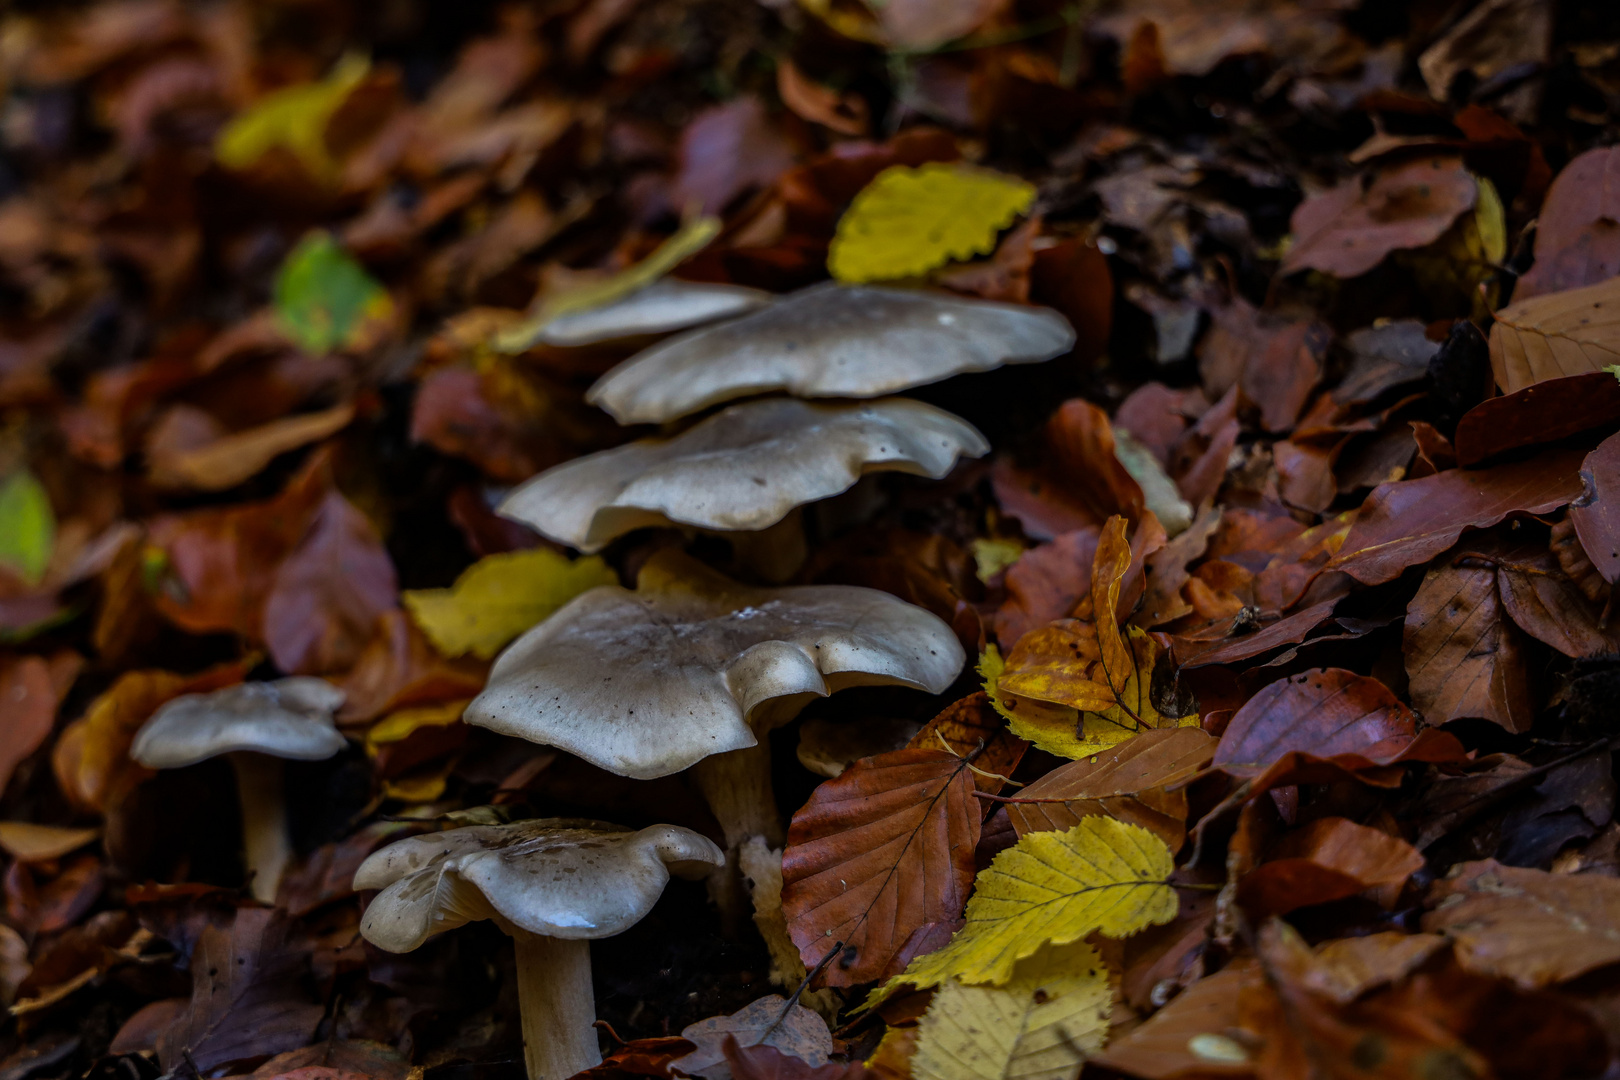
[[1578, 230], [1540, 413], [1463, 658], [1596, 514], [1329, 859], [1079, 483], [1349, 229]]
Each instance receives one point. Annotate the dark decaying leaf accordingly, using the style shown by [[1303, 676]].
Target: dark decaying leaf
[[1578, 229], [1348, 230], [1596, 514], [1464, 657], [878, 853], [1541, 413], [768, 1063], [771, 1021]]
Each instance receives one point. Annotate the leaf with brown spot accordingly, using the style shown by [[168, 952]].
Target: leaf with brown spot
[[1408, 522], [1556, 335], [1527, 925], [1329, 859], [876, 854], [1463, 657], [1135, 782], [1349, 229]]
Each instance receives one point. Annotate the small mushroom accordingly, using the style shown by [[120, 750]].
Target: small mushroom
[[255, 725], [663, 307], [553, 885], [830, 340], [691, 670], [744, 468]]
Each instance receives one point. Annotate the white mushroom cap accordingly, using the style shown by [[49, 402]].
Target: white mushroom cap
[[558, 877], [830, 340], [650, 682], [288, 718], [661, 308], [743, 468]]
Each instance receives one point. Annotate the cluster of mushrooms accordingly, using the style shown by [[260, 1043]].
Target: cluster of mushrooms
[[690, 670]]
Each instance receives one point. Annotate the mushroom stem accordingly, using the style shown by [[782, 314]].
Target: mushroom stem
[[774, 553], [556, 1005], [259, 788], [737, 787]]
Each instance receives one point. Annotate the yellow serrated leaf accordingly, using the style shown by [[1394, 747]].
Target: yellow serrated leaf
[[1051, 1016], [293, 118], [399, 726], [691, 238], [1102, 876], [909, 221], [499, 597]]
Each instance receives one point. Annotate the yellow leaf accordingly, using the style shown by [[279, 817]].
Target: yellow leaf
[[416, 789], [1467, 256], [399, 726], [688, 241], [295, 119], [1042, 1025], [1102, 876], [991, 557], [496, 599], [909, 221]]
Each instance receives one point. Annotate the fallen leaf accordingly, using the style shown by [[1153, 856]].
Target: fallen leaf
[[1548, 606], [876, 854], [325, 300], [28, 842], [1329, 859], [1276, 362], [1079, 482], [1048, 1018], [971, 728], [32, 689], [642, 1057], [1542, 412], [727, 150], [1463, 656], [770, 1021], [1053, 888], [1529, 926], [294, 119], [1556, 335], [499, 597], [27, 525], [399, 668], [910, 220], [1578, 229], [231, 459], [14, 965], [1346, 968], [1192, 1036], [760, 1062], [1494, 36], [1136, 782], [847, 114], [246, 997], [1046, 583], [1349, 229], [1408, 522], [1596, 514]]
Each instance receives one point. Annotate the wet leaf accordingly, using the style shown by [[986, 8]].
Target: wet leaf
[[909, 221], [1053, 888], [499, 597], [1041, 1025], [324, 299], [27, 525]]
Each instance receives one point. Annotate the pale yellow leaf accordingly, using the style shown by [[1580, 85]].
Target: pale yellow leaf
[[401, 725], [1051, 1015], [909, 221], [499, 597], [293, 118], [30, 843]]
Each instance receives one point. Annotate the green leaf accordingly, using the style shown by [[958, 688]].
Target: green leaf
[[27, 526], [324, 298]]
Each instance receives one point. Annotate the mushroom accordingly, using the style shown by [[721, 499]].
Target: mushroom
[[830, 340], [691, 669], [553, 885], [744, 468], [664, 306], [255, 725]]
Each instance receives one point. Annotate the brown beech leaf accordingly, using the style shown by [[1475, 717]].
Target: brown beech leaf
[[1046, 583], [1349, 967], [328, 593], [1079, 483], [1596, 514], [1463, 656], [31, 688], [771, 1021], [1166, 1046], [727, 150], [1578, 229], [1132, 781], [1547, 605], [1322, 725], [847, 114], [246, 997], [399, 668], [1543, 412], [639, 1057], [768, 1063], [231, 459], [972, 729], [458, 414], [1329, 859], [1409, 522], [1556, 335], [1349, 229], [1274, 362], [876, 854], [1527, 925]]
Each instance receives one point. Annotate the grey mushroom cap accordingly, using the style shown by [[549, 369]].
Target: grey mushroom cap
[[744, 468], [558, 877], [830, 340], [289, 718], [650, 682], [664, 306]]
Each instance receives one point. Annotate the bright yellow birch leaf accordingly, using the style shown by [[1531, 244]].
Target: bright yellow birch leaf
[[1076, 688], [1042, 1025], [691, 238], [1052, 888], [497, 598], [909, 221], [398, 726], [293, 118]]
